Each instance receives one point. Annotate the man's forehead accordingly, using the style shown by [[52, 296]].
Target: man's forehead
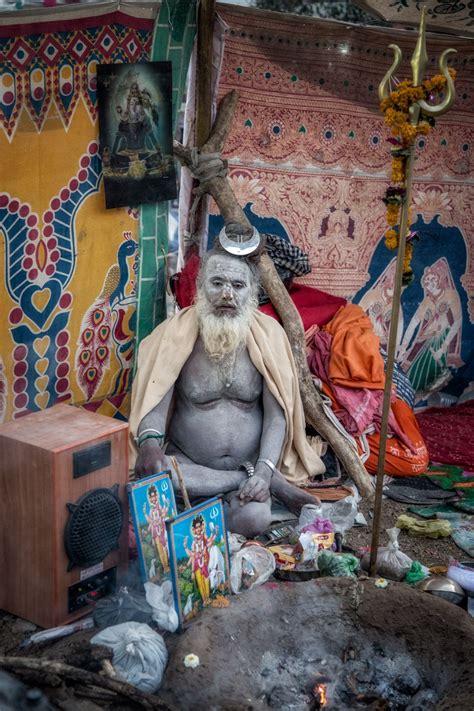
[[227, 266]]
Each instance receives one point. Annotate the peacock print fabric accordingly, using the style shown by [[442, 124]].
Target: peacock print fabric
[[67, 294]]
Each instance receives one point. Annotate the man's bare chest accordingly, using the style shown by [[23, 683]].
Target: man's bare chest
[[204, 380]]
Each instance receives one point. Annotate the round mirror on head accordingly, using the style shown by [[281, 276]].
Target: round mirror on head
[[238, 239]]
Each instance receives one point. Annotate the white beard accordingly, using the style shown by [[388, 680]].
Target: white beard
[[224, 334]]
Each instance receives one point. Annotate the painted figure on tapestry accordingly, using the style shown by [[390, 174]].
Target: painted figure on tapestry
[[377, 303], [432, 342], [156, 517], [217, 383], [199, 555], [337, 229], [108, 327]]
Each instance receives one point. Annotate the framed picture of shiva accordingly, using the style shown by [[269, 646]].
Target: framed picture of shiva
[[152, 502], [135, 135]]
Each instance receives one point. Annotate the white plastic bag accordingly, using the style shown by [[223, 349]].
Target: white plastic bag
[[160, 598], [249, 567], [341, 513], [140, 654], [391, 563], [310, 549], [308, 514], [235, 541]]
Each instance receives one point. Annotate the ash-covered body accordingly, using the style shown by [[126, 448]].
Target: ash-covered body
[[220, 412]]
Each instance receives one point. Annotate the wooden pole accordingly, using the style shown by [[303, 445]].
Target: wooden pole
[[392, 347], [65, 671], [204, 71]]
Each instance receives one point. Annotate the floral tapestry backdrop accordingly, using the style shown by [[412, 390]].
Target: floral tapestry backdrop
[[67, 297], [310, 161]]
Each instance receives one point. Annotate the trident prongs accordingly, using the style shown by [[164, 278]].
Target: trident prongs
[[450, 91], [385, 83], [418, 63]]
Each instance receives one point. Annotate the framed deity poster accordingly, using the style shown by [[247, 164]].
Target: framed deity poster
[[135, 133], [199, 559], [152, 503]]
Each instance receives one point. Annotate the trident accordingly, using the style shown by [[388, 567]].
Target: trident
[[418, 62]]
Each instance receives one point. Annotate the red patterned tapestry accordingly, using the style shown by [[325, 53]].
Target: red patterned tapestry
[[309, 161]]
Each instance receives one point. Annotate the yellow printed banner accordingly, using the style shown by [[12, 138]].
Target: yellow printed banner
[[67, 296]]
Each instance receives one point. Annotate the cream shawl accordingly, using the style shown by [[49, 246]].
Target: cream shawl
[[164, 352]]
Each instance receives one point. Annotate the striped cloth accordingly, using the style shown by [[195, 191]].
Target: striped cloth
[[401, 381], [289, 261]]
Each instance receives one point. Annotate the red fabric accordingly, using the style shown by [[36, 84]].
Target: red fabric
[[355, 408], [314, 306], [183, 284], [449, 434], [399, 460]]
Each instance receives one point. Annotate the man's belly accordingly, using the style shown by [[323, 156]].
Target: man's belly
[[219, 435]]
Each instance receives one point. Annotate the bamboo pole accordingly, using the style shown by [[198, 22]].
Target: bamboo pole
[[392, 347]]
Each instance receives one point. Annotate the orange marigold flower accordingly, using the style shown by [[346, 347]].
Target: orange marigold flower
[[392, 214], [423, 128], [391, 239]]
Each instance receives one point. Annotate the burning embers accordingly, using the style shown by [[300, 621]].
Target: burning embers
[[320, 696], [369, 678]]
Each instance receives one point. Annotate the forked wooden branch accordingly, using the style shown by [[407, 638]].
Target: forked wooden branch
[[65, 671], [231, 211]]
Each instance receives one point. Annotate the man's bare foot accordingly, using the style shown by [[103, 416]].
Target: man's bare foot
[[292, 496]]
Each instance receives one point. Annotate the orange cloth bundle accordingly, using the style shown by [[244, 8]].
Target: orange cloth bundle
[[355, 360]]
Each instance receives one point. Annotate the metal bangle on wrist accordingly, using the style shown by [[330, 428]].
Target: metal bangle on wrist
[[248, 467], [269, 464], [149, 433]]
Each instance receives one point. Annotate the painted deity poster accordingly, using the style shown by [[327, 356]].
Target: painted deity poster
[[199, 559], [136, 142], [152, 502]]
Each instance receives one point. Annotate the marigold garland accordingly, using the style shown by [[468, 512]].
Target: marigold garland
[[396, 108]]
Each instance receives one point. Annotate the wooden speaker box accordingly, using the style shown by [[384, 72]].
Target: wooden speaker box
[[63, 513]]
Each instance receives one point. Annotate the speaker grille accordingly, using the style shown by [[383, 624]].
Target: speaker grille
[[93, 528]]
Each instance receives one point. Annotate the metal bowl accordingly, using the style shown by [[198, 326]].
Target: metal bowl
[[444, 588]]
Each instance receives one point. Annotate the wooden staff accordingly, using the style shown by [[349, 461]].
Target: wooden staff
[[205, 35], [182, 485], [220, 189]]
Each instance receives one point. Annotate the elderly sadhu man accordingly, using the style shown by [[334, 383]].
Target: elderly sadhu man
[[216, 386]]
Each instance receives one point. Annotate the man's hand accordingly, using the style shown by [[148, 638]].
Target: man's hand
[[151, 459], [254, 488]]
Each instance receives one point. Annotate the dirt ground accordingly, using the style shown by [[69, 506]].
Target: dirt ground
[[76, 651], [330, 629], [428, 551]]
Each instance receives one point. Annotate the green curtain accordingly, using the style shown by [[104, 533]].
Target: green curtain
[[173, 39]]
